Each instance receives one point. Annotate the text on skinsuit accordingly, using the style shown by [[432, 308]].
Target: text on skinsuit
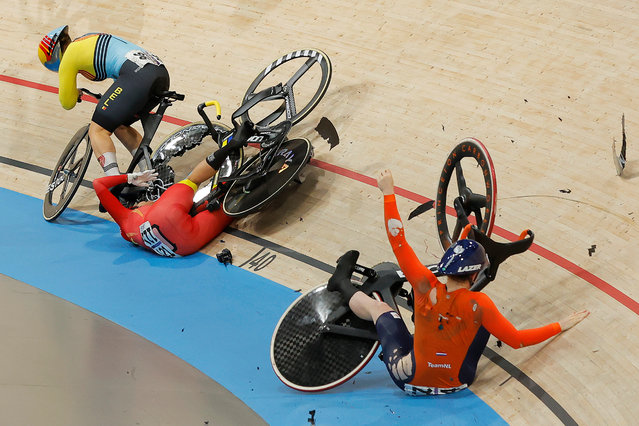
[[431, 365], [112, 96], [154, 240]]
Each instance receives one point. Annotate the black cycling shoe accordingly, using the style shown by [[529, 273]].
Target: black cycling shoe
[[341, 278]]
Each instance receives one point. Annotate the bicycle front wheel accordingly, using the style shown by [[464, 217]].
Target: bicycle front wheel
[[305, 75], [306, 358], [67, 174], [468, 164], [252, 193]]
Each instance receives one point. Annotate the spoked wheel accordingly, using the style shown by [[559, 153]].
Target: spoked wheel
[[472, 166], [252, 193], [308, 358], [187, 138], [184, 139], [305, 75], [67, 174]]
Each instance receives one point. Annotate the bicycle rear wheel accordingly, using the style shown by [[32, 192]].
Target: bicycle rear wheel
[[249, 195], [307, 359], [478, 207], [67, 174], [305, 75]]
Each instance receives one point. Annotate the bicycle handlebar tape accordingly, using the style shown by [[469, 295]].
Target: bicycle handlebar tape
[[218, 109], [341, 278]]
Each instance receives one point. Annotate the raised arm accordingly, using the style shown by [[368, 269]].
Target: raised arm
[[420, 277]]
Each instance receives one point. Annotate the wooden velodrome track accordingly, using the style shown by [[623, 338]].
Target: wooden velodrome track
[[543, 85]]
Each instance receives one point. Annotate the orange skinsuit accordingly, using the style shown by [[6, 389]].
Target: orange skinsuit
[[450, 334]]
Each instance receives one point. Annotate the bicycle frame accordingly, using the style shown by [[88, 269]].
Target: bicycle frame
[[266, 155], [150, 123]]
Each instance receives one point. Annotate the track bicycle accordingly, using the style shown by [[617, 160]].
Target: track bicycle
[[319, 343], [269, 109], [243, 185], [68, 173]]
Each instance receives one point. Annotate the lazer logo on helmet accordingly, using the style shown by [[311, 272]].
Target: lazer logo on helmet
[[469, 268]]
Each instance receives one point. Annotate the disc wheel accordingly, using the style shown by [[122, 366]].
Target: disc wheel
[[307, 359], [248, 195], [471, 165], [305, 75], [67, 174]]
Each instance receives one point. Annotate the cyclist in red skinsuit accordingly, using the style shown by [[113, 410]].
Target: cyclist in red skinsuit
[[452, 324], [166, 227]]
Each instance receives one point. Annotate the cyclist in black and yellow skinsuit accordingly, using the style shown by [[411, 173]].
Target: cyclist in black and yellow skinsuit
[[138, 75]]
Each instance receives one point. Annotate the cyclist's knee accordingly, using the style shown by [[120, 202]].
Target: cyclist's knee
[[402, 368], [379, 308], [95, 130]]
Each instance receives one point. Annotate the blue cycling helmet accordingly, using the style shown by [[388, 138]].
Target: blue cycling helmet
[[49, 49], [465, 257]]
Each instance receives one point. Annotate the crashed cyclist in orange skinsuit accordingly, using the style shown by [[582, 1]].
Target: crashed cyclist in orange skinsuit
[[452, 324]]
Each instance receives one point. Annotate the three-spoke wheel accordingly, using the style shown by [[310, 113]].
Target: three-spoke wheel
[[305, 76], [472, 166], [67, 174]]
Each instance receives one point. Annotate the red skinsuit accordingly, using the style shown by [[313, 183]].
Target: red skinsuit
[[168, 228], [445, 329]]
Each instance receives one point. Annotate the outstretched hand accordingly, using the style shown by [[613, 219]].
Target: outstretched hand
[[142, 179], [573, 319], [385, 182]]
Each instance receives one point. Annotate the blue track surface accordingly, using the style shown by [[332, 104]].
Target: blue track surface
[[219, 319]]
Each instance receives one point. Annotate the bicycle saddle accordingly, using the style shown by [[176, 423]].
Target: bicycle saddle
[[170, 94]]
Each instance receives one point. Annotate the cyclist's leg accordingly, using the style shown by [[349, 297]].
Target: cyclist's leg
[[208, 225], [130, 95], [396, 340], [397, 347], [366, 307], [103, 148], [129, 137], [196, 230]]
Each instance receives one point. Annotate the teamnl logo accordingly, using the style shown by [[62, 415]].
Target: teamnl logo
[[431, 365]]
